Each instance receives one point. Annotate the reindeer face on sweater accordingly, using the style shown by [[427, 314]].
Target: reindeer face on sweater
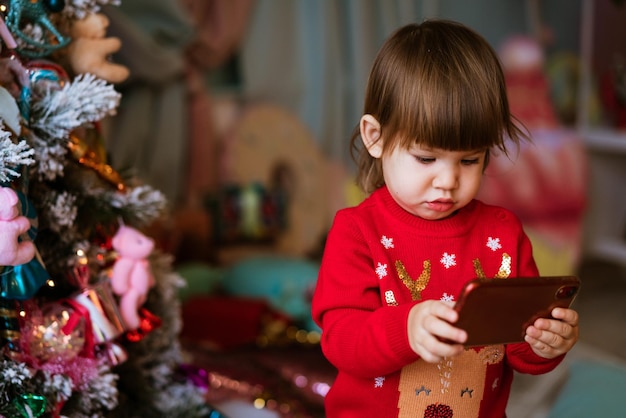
[[452, 387]]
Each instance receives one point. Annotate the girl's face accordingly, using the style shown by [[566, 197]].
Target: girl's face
[[433, 183]]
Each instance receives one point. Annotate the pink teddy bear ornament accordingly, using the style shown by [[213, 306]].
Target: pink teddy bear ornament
[[13, 251], [131, 277]]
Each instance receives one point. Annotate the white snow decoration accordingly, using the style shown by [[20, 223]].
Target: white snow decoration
[[9, 112], [86, 99], [12, 156]]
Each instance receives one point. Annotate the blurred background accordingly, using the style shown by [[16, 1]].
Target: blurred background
[[240, 111]]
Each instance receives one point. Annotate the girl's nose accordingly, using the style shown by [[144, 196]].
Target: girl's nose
[[447, 178]]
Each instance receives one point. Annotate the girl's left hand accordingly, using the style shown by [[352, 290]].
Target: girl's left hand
[[550, 338]]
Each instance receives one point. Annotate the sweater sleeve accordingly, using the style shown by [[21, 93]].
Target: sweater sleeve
[[359, 335]]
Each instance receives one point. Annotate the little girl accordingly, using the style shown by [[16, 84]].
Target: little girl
[[435, 107]]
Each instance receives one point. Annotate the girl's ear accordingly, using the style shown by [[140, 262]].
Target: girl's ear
[[370, 135]]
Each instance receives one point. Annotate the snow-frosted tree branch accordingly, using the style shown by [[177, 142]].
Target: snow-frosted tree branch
[[12, 156], [51, 158], [142, 204], [86, 99], [78, 9]]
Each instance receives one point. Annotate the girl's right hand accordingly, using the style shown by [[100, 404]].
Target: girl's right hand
[[431, 333]]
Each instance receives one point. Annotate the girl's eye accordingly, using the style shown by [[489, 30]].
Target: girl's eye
[[424, 160], [470, 161]]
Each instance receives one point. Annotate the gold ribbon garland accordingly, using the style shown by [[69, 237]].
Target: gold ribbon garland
[[91, 158]]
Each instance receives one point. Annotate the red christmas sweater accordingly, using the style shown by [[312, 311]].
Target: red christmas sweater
[[378, 262]]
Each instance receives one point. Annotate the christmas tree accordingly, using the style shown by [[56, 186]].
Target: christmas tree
[[89, 315]]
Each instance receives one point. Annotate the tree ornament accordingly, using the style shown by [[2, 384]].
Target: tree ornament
[[22, 278], [54, 6], [16, 80], [9, 110], [30, 405], [148, 322], [35, 12], [59, 335], [94, 158], [80, 272], [13, 249], [44, 71], [90, 49], [131, 276], [23, 281], [7, 38], [9, 328], [106, 320], [27, 209]]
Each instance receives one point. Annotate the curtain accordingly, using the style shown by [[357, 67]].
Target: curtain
[[162, 132], [148, 136], [313, 57]]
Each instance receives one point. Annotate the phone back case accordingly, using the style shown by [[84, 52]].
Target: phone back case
[[498, 311]]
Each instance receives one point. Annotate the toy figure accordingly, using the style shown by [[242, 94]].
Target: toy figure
[[13, 250], [131, 277], [35, 12], [89, 49]]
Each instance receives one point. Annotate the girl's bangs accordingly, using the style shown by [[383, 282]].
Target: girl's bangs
[[455, 118]]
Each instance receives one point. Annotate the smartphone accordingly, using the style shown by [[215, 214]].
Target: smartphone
[[498, 311]]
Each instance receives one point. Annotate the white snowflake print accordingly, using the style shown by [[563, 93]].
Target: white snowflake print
[[493, 243], [387, 242], [378, 381], [447, 298], [448, 260], [381, 270]]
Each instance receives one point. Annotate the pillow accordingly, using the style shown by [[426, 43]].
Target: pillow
[[200, 279], [593, 389], [287, 283]]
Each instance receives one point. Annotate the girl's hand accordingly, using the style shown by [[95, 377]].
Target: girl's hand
[[430, 332], [550, 338]]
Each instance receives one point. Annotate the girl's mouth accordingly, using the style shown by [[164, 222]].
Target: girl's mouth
[[441, 205]]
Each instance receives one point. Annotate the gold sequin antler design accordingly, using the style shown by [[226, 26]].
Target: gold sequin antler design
[[503, 272], [414, 286]]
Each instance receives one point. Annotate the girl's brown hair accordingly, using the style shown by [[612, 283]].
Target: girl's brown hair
[[439, 84]]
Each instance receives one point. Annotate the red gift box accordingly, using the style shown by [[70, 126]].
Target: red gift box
[[224, 322]]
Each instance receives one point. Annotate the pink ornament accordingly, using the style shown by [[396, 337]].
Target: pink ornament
[[131, 276], [13, 250]]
